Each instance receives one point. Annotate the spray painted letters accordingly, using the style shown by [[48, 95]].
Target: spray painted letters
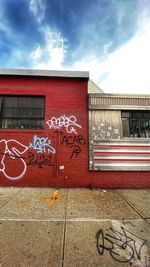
[[122, 245], [74, 142], [39, 159], [42, 144], [11, 151], [69, 123]]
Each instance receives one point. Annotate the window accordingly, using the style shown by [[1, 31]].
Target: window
[[136, 123], [22, 112]]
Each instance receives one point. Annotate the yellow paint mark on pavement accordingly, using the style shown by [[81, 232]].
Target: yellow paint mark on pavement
[[54, 197], [51, 198]]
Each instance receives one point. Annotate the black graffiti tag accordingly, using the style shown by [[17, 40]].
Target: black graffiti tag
[[39, 159], [119, 244], [74, 142], [76, 151]]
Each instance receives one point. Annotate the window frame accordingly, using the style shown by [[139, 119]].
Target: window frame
[[134, 130], [2, 117]]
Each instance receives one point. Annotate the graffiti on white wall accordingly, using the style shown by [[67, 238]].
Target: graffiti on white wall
[[68, 122], [42, 144], [12, 150]]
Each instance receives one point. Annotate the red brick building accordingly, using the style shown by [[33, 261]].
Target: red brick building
[[44, 134]]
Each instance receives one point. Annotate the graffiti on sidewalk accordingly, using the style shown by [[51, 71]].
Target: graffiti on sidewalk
[[123, 245]]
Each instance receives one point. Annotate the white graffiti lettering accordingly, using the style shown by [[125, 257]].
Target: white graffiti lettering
[[12, 150], [63, 121], [41, 144]]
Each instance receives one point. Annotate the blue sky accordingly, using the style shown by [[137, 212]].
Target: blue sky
[[109, 38]]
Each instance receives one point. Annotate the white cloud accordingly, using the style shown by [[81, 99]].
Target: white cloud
[[129, 66], [106, 47], [127, 69], [50, 56], [37, 7], [89, 64]]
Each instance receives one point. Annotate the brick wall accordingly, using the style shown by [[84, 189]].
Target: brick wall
[[64, 160]]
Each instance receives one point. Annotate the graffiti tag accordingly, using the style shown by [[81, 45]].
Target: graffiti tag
[[42, 144], [39, 159], [76, 151], [123, 245], [73, 140], [69, 123], [74, 143], [12, 151]]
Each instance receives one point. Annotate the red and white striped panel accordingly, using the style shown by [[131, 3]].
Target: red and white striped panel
[[116, 156]]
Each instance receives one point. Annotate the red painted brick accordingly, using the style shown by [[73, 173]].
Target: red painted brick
[[63, 97]]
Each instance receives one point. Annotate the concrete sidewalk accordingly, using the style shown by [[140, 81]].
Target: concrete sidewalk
[[74, 227]]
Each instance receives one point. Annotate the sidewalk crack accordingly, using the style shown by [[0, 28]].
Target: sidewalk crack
[[131, 206], [7, 201], [64, 233]]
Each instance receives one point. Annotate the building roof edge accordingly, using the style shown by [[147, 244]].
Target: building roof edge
[[44, 73]]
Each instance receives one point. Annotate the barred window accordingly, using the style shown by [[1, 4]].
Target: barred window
[[22, 112], [136, 123]]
